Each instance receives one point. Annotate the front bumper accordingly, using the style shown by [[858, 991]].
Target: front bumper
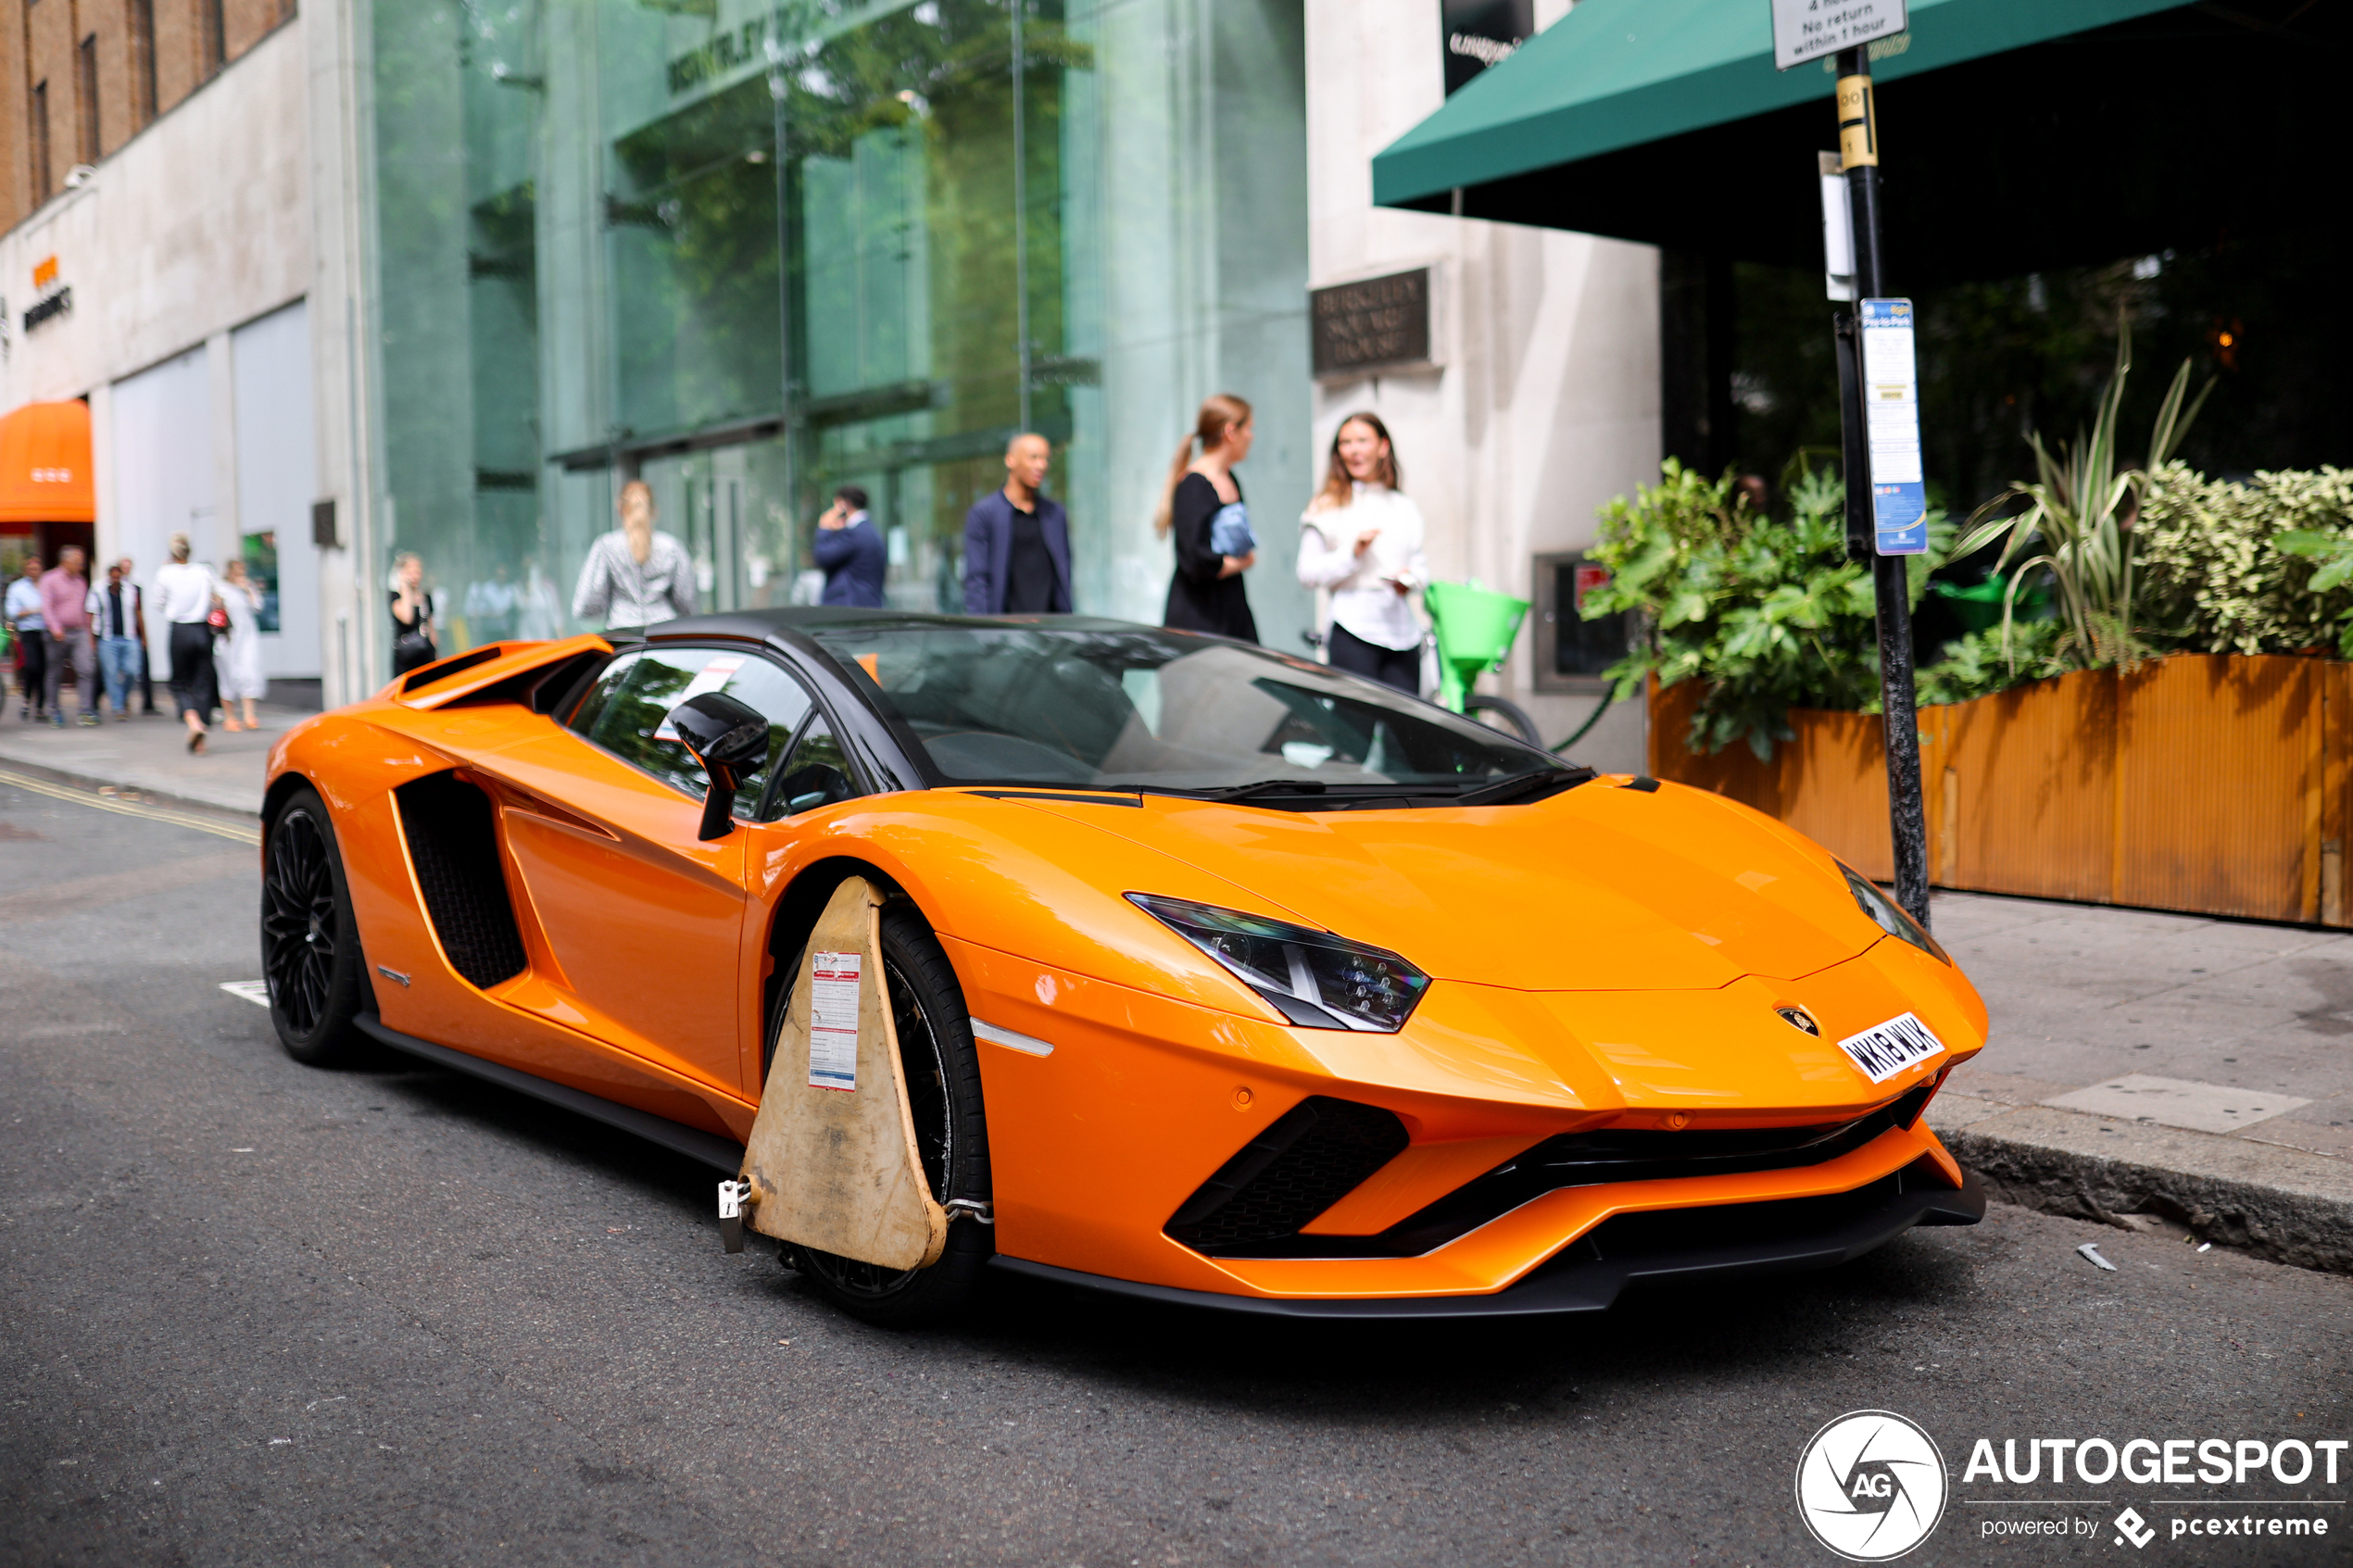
[[1681, 1245]]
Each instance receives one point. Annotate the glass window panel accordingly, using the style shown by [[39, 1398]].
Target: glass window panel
[[627, 712]]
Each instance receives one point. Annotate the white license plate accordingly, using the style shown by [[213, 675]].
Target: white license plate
[[1885, 1049]]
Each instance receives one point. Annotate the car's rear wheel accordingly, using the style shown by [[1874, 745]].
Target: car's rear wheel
[[310, 956], [942, 1073]]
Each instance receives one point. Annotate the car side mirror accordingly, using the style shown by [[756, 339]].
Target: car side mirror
[[726, 735]]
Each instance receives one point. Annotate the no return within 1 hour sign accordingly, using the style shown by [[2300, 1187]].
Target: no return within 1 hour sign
[[1807, 30]]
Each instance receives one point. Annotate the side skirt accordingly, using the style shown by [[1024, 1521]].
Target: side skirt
[[1577, 1282], [694, 1143]]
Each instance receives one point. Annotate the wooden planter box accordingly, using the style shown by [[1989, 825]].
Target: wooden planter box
[[2213, 783]]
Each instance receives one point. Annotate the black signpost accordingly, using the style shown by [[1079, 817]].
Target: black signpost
[[1805, 30]]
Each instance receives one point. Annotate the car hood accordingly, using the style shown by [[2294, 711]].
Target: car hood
[[1603, 888]]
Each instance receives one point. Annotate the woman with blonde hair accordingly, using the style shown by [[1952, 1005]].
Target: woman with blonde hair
[[1362, 539], [1202, 508], [188, 594], [240, 658]]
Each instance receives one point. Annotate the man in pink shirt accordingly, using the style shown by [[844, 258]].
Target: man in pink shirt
[[65, 611]]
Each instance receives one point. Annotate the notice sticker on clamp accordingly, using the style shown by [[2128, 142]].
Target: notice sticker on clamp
[[1892, 423], [833, 1019]]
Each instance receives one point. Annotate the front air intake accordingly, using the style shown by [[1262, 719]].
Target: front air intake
[[454, 846], [1312, 1155]]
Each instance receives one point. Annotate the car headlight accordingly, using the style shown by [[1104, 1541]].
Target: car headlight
[[1889, 915], [1316, 980]]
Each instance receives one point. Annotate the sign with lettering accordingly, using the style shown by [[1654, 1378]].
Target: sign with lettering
[[1378, 323], [1807, 30], [1479, 33], [1892, 421]]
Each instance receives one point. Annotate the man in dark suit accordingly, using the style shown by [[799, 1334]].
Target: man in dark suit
[[851, 552], [1018, 542]]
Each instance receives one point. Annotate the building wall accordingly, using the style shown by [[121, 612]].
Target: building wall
[[40, 41], [181, 242], [1544, 401]]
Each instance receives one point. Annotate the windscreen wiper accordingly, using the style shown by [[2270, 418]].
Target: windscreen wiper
[[1527, 788], [1244, 792]]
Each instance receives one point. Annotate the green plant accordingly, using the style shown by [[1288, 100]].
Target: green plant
[[1771, 614], [2332, 555], [1980, 663], [2233, 567], [2077, 522]]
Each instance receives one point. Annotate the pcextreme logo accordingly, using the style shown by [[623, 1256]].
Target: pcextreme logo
[[1870, 1486]]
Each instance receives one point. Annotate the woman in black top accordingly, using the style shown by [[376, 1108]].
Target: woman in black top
[[413, 644], [1206, 595]]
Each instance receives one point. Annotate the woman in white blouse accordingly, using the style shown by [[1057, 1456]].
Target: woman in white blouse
[[1362, 539], [188, 592]]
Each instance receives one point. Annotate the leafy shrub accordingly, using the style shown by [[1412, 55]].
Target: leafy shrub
[[2216, 578], [1978, 665], [1771, 614], [2077, 524]]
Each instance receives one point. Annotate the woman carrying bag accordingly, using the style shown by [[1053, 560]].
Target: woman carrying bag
[[1362, 539], [189, 601], [1202, 508]]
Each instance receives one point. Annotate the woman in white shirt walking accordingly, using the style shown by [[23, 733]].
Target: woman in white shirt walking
[[186, 592], [1362, 539]]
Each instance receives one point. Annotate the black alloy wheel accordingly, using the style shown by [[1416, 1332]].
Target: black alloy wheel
[[310, 956], [942, 1074]]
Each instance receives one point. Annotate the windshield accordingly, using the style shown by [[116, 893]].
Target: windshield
[[1111, 706]]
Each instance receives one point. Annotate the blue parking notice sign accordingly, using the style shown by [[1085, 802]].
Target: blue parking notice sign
[[1892, 423]]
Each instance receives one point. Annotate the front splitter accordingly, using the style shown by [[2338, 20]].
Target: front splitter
[[1589, 1275]]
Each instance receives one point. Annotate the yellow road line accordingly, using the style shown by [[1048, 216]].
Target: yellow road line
[[213, 825]]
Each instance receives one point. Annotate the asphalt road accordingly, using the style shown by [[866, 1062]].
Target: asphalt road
[[256, 1313]]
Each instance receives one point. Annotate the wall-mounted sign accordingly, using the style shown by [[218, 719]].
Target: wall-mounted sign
[[48, 306], [1805, 30], [1377, 323], [1478, 33], [56, 299]]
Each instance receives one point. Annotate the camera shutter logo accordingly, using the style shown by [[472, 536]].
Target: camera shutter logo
[[1870, 1486]]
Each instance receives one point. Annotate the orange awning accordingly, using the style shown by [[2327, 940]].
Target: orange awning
[[44, 464]]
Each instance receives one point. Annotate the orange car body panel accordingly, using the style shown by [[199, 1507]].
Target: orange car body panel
[[1609, 958]]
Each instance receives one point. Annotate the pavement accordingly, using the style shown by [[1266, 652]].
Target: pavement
[[2147, 1071], [258, 1313], [147, 754]]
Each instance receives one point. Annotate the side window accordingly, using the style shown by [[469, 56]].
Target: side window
[[816, 775], [627, 710]]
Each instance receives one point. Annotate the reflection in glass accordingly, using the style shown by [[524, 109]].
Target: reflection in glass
[[752, 251]]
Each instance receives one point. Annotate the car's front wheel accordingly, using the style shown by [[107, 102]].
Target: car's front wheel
[[942, 1073], [310, 956]]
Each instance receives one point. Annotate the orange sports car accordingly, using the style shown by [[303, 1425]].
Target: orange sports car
[[1220, 977]]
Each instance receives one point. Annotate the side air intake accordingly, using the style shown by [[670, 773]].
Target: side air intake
[[1312, 1155], [454, 845]]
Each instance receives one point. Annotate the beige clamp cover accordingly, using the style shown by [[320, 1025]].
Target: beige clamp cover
[[832, 1157]]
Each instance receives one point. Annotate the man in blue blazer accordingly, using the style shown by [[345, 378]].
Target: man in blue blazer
[[1018, 542], [851, 552]]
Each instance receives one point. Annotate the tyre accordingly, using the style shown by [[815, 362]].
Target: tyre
[[1498, 714], [942, 1073], [310, 956]]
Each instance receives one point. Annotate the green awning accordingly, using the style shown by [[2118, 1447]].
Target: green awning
[[1619, 73], [2014, 134]]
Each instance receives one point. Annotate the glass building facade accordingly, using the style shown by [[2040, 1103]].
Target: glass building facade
[[750, 252]]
